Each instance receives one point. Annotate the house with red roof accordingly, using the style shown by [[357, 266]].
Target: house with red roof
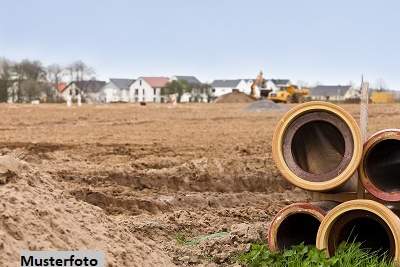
[[60, 87], [147, 89]]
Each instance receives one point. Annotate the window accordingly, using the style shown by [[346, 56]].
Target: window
[[155, 91], [143, 91], [140, 82], [154, 100], [136, 91]]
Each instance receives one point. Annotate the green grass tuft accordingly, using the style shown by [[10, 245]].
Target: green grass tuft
[[347, 255]]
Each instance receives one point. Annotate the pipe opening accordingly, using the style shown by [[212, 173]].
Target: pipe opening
[[382, 165], [318, 147], [297, 228], [361, 226]]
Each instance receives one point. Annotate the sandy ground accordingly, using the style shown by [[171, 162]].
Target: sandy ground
[[151, 186]]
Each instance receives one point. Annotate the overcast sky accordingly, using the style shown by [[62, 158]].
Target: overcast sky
[[331, 42]]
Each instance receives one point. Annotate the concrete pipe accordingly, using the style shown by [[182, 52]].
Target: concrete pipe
[[368, 222], [297, 223], [317, 146], [380, 165]]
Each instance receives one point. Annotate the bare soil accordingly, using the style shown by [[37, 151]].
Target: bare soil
[[235, 97], [150, 185]]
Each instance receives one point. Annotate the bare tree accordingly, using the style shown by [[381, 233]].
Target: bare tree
[[80, 71], [30, 77], [5, 78], [31, 90], [55, 73], [30, 70]]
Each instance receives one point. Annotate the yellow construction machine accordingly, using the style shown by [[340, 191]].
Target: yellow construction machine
[[289, 94], [258, 82]]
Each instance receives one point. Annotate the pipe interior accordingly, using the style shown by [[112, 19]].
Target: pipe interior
[[360, 226], [382, 165], [318, 147], [297, 228]]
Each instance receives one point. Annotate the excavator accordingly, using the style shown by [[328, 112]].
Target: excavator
[[289, 94], [260, 83]]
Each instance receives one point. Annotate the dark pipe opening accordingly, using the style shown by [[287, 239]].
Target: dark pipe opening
[[360, 226], [297, 228], [382, 165], [318, 147]]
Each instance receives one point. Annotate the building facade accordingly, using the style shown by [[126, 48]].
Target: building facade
[[117, 90], [148, 89]]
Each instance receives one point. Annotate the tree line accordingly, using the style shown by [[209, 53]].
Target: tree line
[[28, 80]]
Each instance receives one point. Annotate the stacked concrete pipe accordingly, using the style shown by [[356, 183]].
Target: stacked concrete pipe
[[317, 146], [372, 224], [297, 223], [380, 166]]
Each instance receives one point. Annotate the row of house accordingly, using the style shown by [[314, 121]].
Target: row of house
[[320, 92], [150, 89], [334, 92], [143, 89]]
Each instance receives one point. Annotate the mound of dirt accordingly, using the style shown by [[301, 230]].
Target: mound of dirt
[[38, 214], [264, 105], [235, 97]]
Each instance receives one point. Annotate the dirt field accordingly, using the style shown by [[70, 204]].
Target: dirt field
[[154, 185]]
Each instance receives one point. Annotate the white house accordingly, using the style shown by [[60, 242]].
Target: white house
[[90, 90], [117, 90], [147, 89], [245, 87], [275, 85], [334, 92], [222, 87]]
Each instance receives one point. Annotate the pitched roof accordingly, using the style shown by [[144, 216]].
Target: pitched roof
[[91, 86], [225, 83], [329, 90], [280, 81], [61, 87], [156, 82], [188, 79], [122, 83]]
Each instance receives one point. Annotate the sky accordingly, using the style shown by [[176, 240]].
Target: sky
[[328, 42]]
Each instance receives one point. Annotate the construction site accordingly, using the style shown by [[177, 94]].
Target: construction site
[[192, 184], [199, 133]]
